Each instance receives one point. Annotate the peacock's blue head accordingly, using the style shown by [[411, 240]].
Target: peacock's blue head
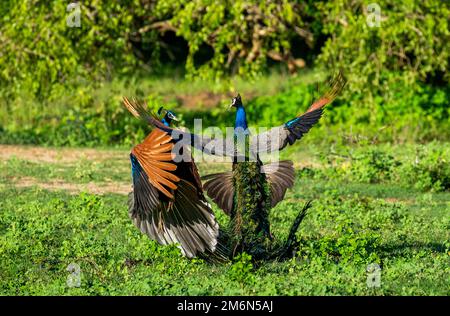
[[169, 116], [236, 102]]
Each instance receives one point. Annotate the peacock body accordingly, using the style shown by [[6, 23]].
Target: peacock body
[[249, 216], [249, 191]]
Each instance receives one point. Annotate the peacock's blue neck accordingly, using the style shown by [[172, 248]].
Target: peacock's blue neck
[[165, 121], [241, 119]]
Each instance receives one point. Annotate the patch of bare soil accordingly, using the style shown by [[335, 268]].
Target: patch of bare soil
[[52, 155], [311, 165], [397, 200], [206, 99], [74, 188]]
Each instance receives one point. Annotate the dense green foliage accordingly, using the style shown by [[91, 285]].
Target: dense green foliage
[[410, 44], [43, 59], [94, 118], [351, 224]]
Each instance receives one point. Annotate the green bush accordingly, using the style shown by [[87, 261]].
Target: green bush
[[373, 166], [425, 168], [42, 55], [409, 45], [62, 85], [430, 170]]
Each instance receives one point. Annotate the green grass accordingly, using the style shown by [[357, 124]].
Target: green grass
[[351, 224]]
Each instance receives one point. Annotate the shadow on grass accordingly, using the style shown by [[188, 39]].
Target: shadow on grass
[[410, 248]]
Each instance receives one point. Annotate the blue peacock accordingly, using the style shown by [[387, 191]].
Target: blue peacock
[[168, 200]]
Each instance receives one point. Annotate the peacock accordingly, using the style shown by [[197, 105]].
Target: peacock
[[249, 190], [167, 202]]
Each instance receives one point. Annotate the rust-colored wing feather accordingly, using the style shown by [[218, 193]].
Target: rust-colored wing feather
[[155, 156], [167, 202], [186, 220]]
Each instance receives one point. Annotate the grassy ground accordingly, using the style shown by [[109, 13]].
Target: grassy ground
[[63, 206]]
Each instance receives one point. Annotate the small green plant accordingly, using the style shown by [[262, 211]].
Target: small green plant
[[242, 268], [372, 166], [85, 169]]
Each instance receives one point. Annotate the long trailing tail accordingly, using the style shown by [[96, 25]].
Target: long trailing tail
[[222, 253], [300, 216], [291, 242]]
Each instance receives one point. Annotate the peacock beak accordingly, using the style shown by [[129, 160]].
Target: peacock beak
[[231, 105]]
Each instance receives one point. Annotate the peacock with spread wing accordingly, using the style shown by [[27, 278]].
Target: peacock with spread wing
[[168, 203]]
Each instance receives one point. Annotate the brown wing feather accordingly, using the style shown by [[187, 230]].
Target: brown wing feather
[[186, 220], [220, 189], [188, 170], [281, 177]]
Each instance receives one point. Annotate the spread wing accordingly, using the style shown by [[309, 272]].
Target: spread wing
[[213, 146], [167, 202], [279, 137], [220, 189]]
